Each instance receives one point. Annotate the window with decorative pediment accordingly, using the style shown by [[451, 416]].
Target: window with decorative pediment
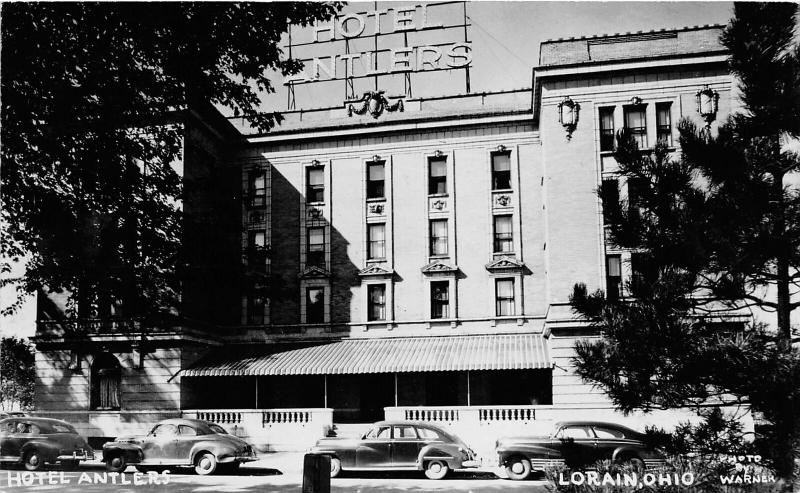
[[438, 232], [315, 247], [315, 305], [504, 297], [376, 309], [376, 241], [503, 234], [440, 299]]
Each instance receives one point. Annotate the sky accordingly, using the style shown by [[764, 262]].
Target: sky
[[505, 39]]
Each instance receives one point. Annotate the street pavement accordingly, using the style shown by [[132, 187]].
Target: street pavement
[[273, 473]]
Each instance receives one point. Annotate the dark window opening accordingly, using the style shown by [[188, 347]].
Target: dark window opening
[[315, 305], [610, 196], [613, 277], [375, 180], [106, 378], [637, 187], [315, 248], [440, 299], [437, 176], [377, 302], [643, 270], [607, 129], [256, 303], [636, 124], [664, 123], [257, 188], [501, 171], [315, 184]]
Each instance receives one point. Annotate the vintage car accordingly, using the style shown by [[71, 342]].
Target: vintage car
[[176, 443], [35, 442], [398, 445], [575, 444]]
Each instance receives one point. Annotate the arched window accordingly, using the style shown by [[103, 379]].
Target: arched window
[[105, 382]]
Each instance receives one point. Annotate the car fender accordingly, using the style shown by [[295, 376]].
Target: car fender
[[627, 450], [48, 449], [131, 451], [443, 451], [527, 451], [223, 452]]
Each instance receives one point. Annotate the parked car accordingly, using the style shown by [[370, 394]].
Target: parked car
[[179, 442], [11, 414], [35, 442], [576, 444], [399, 445]]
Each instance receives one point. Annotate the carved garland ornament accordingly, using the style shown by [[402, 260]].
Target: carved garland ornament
[[375, 103]]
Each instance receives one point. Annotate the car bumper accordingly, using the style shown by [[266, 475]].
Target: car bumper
[[76, 455]]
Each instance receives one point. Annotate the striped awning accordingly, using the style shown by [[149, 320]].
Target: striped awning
[[406, 354]]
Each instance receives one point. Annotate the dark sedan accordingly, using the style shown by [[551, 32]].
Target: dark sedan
[[399, 446], [179, 442], [35, 442], [576, 444]]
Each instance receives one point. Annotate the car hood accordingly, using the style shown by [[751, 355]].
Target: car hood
[[523, 440]]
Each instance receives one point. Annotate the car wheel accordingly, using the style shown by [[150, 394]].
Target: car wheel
[[205, 464], [69, 465], [336, 467], [436, 469], [33, 460], [116, 463], [518, 468]]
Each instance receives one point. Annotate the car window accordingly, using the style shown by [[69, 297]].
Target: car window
[[573, 432], [428, 434], [381, 432], [59, 428], [607, 433], [164, 431], [8, 427], [217, 429], [187, 430], [404, 432]]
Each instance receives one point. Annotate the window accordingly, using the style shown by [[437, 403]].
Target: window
[[406, 432], [315, 184], [375, 180], [258, 188], [664, 123], [575, 432], [503, 235], [106, 375], [636, 123], [315, 248], [613, 277], [607, 432], [186, 430], [256, 301], [437, 176], [643, 271], [504, 297], [636, 189], [501, 171], [610, 195], [377, 302], [438, 229], [428, 434], [607, 129], [376, 241], [382, 433], [257, 240], [166, 430], [315, 305], [440, 299]]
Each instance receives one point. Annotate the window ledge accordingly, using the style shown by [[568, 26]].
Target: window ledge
[[432, 195], [503, 190], [376, 199]]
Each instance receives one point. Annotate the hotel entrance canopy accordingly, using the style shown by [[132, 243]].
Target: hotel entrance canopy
[[388, 355]]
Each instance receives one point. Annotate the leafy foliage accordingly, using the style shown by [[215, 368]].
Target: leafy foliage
[[17, 373], [719, 233], [93, 98]]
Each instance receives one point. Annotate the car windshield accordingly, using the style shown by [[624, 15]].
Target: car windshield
[[63, 428], [217, 429]]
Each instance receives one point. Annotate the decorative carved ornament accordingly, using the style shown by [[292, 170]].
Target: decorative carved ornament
[[376, 208], [314, 213], [439, 204], [375, 271], [505, 264], [375, 103], [439, 267], [314, 272], [503, 200]]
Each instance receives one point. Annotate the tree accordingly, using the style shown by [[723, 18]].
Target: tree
[[717, 230], [93, 96], [17, 373]]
